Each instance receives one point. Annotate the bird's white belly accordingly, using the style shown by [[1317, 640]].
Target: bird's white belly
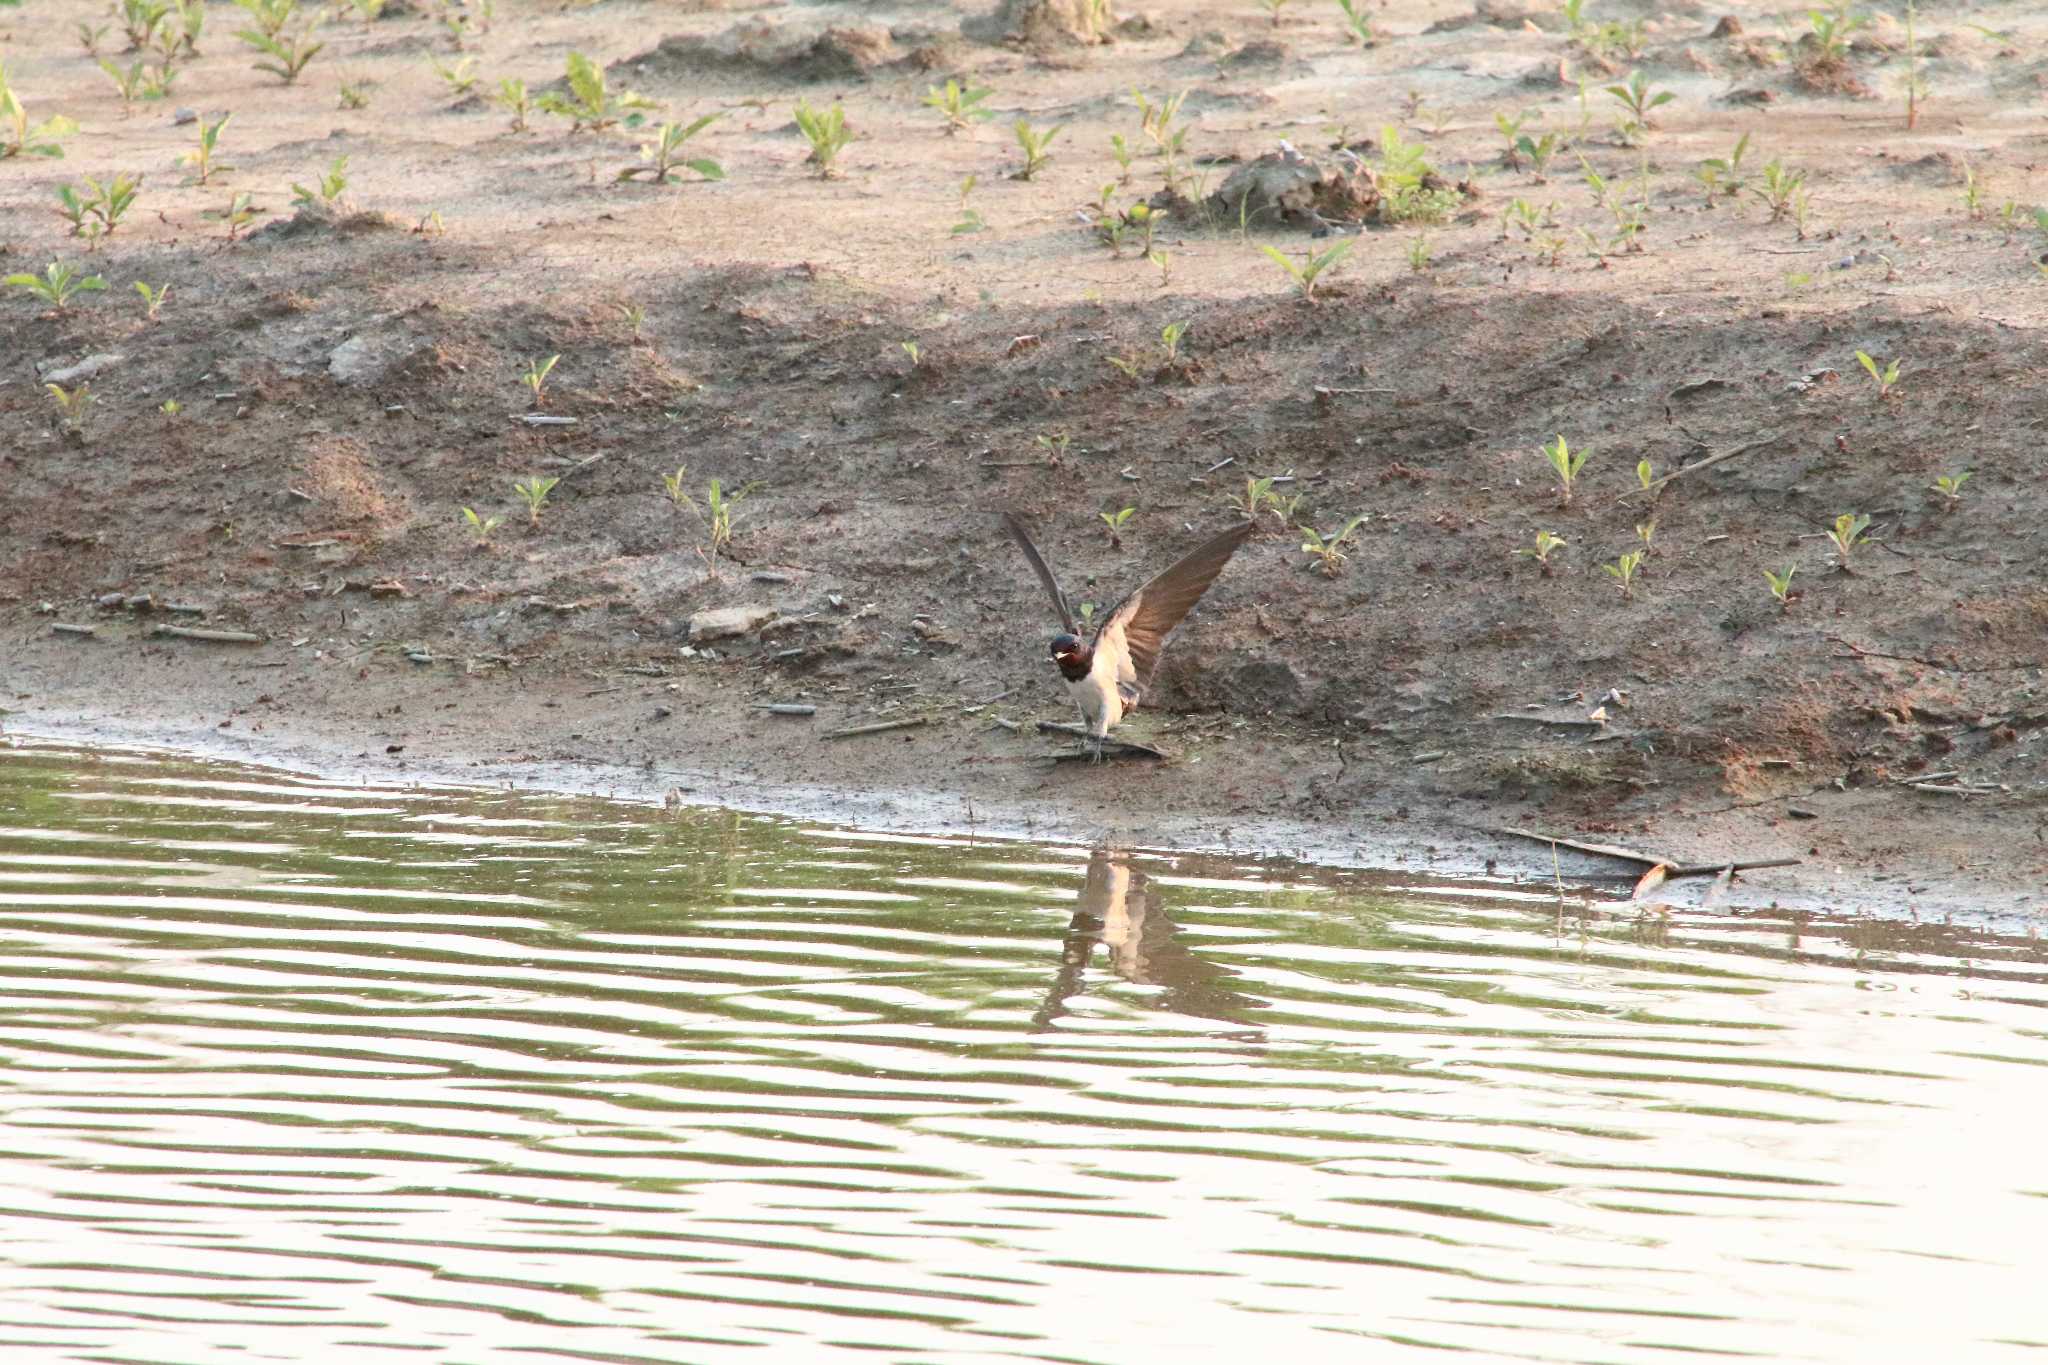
[[1100, 703]]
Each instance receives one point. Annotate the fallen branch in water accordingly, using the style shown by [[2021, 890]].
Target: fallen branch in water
[[1676, 868]]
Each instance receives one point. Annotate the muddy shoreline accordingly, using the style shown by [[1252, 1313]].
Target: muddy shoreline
[[912, 787]]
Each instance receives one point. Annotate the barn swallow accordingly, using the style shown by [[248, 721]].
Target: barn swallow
[[1108, 673]]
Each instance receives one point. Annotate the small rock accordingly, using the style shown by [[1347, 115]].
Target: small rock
[[1729, 27], [721, 622], [84, 369]]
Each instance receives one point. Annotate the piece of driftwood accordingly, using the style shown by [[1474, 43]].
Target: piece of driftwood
[[66, 628], [218, 637], [1633, 855], [1110, 747], [879, 727], [1553, 720], [787, 708]]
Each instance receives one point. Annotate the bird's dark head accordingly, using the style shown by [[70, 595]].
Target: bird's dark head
[[1070, 654]]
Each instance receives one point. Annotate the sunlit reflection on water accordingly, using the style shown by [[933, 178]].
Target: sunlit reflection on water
[[311, 1070]]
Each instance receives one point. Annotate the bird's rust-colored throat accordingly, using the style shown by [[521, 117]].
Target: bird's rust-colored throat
[[1074, 662]]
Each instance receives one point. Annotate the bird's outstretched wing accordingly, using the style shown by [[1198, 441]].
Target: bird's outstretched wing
[[1052, 588], [1145, 618]]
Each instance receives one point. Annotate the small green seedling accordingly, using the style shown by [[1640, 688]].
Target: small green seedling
[[90, 36], [72, 405], [1541, 550], [1169, 340], [672, 484], [1036, 147], [270, 16], [326, 192], [1115, 522], [1781, 585], [139, 20], [1273, 7], [239, 213], [285, 55], [17, 138], [1419, 254], [1121, 151], [459, 75], [1309, 271], [170, 407], [1511, 132], [355, 94], [1831, 33], [666, 152], [914, 351], [1258, 496], [1358, 22], [152, 299], [634, 316], [1915, 81], [960, 105], [1055, 445], [1541, 151], [57, 284], [1565, 463], [533, 491], [1847, 535], [1645, 474], [1327, 553], [1639, 99], [719, 506], [1886, 379], [128, 83], [826, 131], [590, 101], [201, 158], [1623, 571], [1782, 188], [970, 219], [481, 527], [536, 378], [1646, 532], [95, 209], [512, 97], [1950, 486], [369, 11], [1723, 174]]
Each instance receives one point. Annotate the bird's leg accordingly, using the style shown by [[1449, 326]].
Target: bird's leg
[[1096, 742]]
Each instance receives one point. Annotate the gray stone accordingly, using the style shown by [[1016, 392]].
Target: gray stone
[[368, 356], [84, 369]]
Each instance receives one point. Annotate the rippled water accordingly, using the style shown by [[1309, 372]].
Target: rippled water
[[296, 1070]]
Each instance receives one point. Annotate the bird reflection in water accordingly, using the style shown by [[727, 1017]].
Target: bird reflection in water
[[1122, 910]]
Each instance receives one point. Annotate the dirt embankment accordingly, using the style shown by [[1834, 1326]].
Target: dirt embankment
[[345, 386]]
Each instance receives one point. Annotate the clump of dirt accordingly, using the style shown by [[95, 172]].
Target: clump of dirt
[[338, 474], [800, 55], [1037, 24], [1276, 189], [1259, 52], [313, 220]]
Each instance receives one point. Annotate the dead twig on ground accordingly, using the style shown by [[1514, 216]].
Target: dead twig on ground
[[1697, 465], [879, 727]]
